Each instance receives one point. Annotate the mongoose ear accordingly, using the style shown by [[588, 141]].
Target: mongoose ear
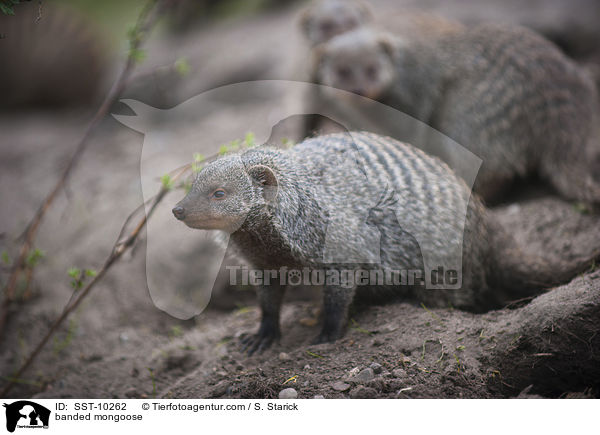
[[265, 177], [304, 22], [365, 11], [387, 44]]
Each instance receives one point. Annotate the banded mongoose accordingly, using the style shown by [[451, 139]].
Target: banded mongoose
[[324, 19], [52, 56], [287, 207], [502, 91]]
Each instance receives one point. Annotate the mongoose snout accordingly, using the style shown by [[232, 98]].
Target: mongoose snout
[[179, 212]]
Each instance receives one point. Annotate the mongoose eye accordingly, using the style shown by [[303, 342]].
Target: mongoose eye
[[371, 72], [218, 194], [327, 27], [344, 72]]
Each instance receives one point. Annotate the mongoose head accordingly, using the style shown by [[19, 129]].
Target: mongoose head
[[325, 19], [224, 193], [359, 62]]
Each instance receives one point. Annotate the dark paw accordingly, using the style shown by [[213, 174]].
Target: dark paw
[[252, 343], [328, 336]]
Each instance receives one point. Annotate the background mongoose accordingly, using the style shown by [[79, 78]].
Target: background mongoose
[[502, 91], [324, 19], [282, 206]]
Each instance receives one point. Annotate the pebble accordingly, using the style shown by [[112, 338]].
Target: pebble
[[340, 386], [284, 357], [364, 375], [353, 372], [288, 393], [220, 389], [319, 396], [361, 392], [376, 367], [398, 373]]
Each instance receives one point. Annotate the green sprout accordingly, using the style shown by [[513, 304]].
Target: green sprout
[[249, 140], [167, 182], [34, 257], [182, 66], [6, 258]]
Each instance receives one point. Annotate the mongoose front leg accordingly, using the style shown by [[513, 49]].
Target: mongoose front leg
[[336, 303], [269, 298]]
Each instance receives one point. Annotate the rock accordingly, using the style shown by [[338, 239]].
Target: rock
[[361, 392], [376, 367], [364, 375], [284, 357], [220, 389], [307, 367], [398, 373], [288, 393], [319, 396], [340, 386], [131, 393], [353, 372]]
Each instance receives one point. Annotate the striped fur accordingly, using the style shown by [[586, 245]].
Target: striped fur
[[503, 92]]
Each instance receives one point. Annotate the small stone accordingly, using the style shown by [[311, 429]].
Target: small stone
[[307, 367], [376, 367], [284, 357], [288, 393], [353, 372], [131, 393], [361, 392], [340, 386], [319, 396], [220, 389], [123, 337], [364, 376], [398, 373]]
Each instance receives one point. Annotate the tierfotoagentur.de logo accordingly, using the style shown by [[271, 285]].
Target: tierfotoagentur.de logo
[[25, 414]]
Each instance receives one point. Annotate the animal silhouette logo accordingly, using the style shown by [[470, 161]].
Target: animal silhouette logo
[[195, 127], [26, 414]]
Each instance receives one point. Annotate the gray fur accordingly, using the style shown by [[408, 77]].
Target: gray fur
[[502, 91]]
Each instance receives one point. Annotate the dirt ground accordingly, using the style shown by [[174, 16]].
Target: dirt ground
[[119, 344]]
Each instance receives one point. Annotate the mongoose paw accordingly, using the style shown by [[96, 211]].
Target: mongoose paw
[[327, 336], [259, 342]]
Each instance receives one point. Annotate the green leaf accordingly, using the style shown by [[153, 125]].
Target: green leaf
[[6, 258], [223, 150], [182, 66], [7, 10], [198, 158], [91, 273], [166, 181], [34, 257], [74, 272], [137, 54], [249, 139]]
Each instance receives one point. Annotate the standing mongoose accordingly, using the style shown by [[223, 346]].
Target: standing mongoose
[[313, 206], [502, 91]]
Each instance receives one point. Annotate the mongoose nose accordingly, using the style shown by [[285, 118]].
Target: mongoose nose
[[179, 212]]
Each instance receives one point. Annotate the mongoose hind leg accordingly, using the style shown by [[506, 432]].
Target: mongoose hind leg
[[270, 298], [336, 303]]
